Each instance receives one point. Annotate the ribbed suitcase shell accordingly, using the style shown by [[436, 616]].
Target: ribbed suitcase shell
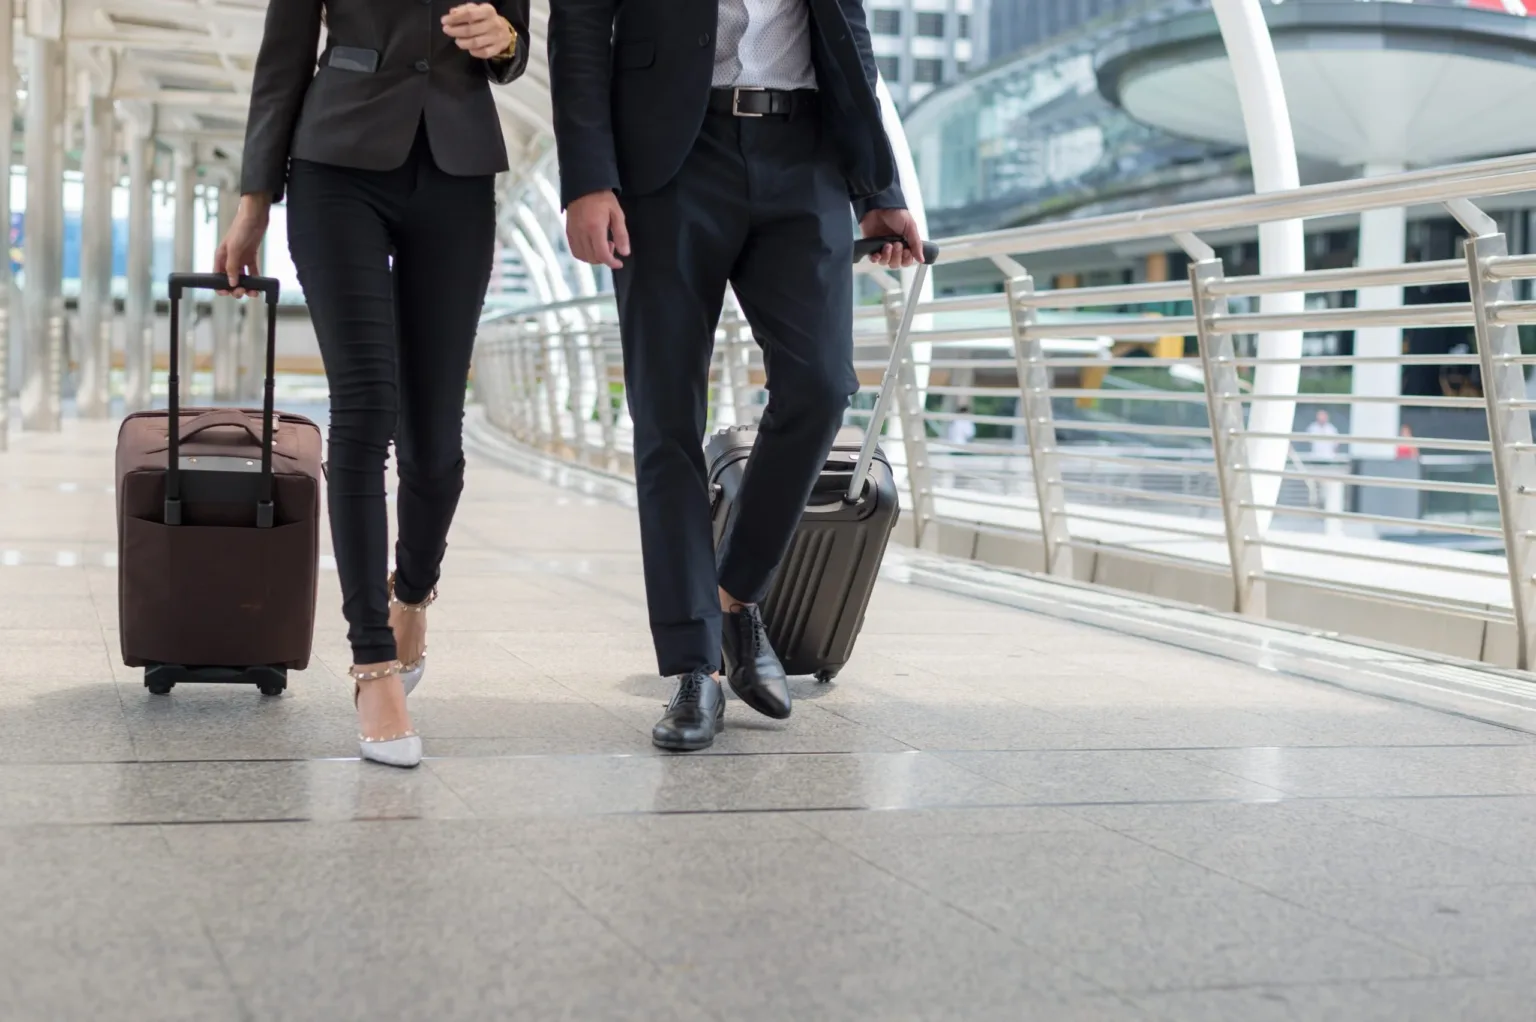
[[816, 602]]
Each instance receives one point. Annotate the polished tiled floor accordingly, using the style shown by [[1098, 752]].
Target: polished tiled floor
[[992, 815]]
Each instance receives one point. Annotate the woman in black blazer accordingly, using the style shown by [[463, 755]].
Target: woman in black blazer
[[388, 149]]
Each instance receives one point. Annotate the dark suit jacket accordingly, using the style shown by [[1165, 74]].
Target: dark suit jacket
[[369, 120], [630, 82]]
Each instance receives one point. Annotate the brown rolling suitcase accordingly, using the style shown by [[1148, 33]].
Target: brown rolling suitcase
[[815, 605], [218, 513]]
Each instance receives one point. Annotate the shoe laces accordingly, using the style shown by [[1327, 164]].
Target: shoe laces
[[754, 633], [690, 688]]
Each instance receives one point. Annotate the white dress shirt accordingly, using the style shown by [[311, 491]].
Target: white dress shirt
[[764, 44]]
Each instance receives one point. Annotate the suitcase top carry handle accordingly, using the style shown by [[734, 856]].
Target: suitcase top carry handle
[[899, 346], [229, 417], [178, 284], [866, 247]]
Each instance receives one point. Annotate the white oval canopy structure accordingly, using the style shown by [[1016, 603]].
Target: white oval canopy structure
[[1367, 83]]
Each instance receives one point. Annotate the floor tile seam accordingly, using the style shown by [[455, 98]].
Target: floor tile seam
[[242, 1004], [660, 969], [1099, 988], [1325, 984], [834, 712], [1443, 842], [458, 797], [937, 806], [1284, 793], [1307, 909], [1280, 794], [471, 814]]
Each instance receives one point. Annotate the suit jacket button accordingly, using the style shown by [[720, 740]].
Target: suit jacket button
[[422, 65], [704, 39]]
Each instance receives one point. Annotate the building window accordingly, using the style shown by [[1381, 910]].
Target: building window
[[963, 27], [930, 24], [885, 22], [961, 67], [927, 71], [890, 69]]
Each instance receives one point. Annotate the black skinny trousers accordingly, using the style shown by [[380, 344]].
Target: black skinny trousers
[[394, 266]]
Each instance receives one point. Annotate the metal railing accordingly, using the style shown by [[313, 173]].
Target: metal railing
[[1019, 418]]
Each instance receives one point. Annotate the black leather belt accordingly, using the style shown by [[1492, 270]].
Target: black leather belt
[[747, 102]]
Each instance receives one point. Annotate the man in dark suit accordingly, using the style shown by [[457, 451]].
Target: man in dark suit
[[705, 143]]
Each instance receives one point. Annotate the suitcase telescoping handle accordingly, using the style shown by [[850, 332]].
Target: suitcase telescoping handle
[[899, 344], [178, 284]]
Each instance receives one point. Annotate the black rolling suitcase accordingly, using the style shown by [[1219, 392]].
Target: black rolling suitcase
[[816, 602]]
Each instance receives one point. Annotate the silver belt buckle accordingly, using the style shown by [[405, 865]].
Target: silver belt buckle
[[736, 110]]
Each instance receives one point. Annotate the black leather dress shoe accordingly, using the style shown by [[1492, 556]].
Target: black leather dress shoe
[[694, 716], [753, 668]]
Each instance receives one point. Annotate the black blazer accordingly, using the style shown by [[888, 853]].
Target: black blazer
[[369, 120], [630, 83]]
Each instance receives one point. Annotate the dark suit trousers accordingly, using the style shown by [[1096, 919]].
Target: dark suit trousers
[[761, 205], [394, 266]]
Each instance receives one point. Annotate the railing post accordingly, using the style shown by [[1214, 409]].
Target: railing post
[[601, 372], [1040, 426], [502, 349], [571, 343], [738, 350], [495, 370], [1229, 447], [528, 369], [553, 359], [721, 386], [914, 430], [1509, 431]]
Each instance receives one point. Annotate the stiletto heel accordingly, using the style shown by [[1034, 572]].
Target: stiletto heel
[[402, 750], [411, 673]]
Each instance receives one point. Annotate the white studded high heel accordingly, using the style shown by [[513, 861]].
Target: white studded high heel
[[402, 750], [411, 673]]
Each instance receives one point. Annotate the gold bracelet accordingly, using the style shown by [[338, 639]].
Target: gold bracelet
[[511, 50]]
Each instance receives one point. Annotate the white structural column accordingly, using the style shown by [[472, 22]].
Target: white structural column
[[226, 312], [138, 309], [185, 188], [42, 362], [98, 161], [1383, 242], [1272, 151], [7, 145]]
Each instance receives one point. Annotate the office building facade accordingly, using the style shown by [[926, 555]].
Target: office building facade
[[1014, 25], [922, 44]]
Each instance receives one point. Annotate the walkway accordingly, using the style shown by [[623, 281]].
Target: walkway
[[992, 815]]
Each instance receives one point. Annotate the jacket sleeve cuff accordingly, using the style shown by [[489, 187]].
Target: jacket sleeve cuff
[[573, 189], [503, 71], [891, 198], [264, 180], [587, 165]]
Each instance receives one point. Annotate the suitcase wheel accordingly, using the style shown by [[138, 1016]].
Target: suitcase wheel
[[825, 677], [272, 688], [161, 678]]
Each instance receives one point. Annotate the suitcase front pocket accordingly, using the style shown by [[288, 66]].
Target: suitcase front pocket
[[217, 596]]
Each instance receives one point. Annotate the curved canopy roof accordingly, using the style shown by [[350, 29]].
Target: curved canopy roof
[[1366, 83]]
